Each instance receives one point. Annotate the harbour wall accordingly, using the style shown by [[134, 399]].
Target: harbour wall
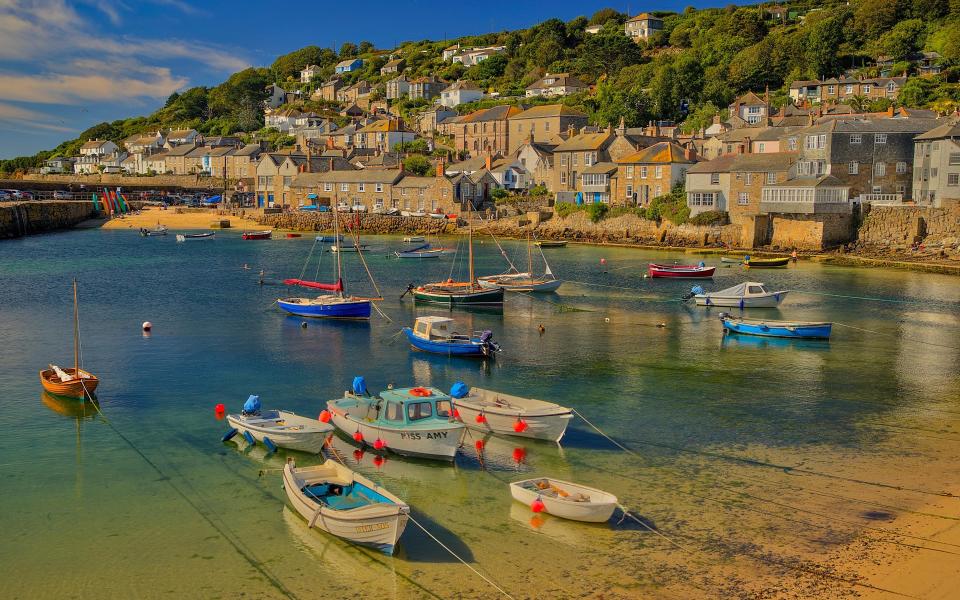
[[25, 218], [367, 223], [905, 226]]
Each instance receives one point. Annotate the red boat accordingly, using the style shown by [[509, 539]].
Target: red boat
[[293, 235], [681, 271], [257, 235]]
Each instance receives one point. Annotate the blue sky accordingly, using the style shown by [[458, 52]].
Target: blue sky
[[68, 64]]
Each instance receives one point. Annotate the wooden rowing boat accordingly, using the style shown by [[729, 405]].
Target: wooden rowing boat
[[681, 271], [565, 500], [73, 382], [766, 263]]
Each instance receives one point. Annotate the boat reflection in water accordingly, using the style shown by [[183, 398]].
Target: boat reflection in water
[[80, 410], [736, 340]]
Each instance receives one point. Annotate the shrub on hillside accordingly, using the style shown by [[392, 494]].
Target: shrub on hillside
[[710, 217]]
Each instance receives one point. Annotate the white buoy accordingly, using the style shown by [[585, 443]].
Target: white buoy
[[147, 325], [606, 319]]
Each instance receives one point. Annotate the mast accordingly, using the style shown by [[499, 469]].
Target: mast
[[529, 256], [336, 243], [76, 332], [470, 244]]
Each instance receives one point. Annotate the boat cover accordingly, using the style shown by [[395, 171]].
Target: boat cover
[[359, 385], [331, 287], [252, 405], [737, 291], [459, 390]]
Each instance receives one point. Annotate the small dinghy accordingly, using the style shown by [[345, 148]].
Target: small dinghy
[[414, 238], [782, 329], [730, 260], [746, 295], [766, 263], [700, 271], [257, 235], [182, 237], [564, 499], [281, 428], [157, 231], [348, 248], [422, 251], [329, 238], [504, 414], [433, 334], [408, 421], [346, 504], [551, 243]]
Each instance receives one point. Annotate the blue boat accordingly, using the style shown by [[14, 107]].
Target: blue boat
[[780, 329], [433, 334], [327, 307]]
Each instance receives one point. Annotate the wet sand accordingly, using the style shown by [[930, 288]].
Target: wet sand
[[152, 216]]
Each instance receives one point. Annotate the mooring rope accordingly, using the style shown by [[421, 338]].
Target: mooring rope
[[871, 298], [626, 513], [899, 337]]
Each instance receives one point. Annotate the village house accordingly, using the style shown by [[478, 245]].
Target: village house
[[425, 87], [309, 73], [936, 166], [808, 195], [573, 157], [395, 65], [383, 135], [840, 89], [593, 29], [398, 87], [237, 164], [650, 172], [483, 131], [472, 191], [156, 163], [460, 92], [275, 172], [472, 56], [345, 189], [642, 26], [545, 123], [92, 154], [179, 137], [353, 93], [556, 84], [427, 121], [58, 165], [750, 110], [508, 173], [349, 65], [276, 96], [328, 90], [144, 143], [537, 159], [450, 52], [748, 175]]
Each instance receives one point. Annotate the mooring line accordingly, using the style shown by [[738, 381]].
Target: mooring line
[[899, 337], [874, 299], [626, 513]]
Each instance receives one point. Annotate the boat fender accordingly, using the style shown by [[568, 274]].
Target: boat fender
[[459, 390], [147, 325], [420, 392], [271, 447], [358, 437], [247, 436], [520, 426], [229, 435], [741, 303], [379, 444], [537, 505], [481, 418]]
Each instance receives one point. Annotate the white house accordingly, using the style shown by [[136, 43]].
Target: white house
[[308, 73], [556, 84], [179, 137], [98, 148], [471, 56], [277, 96], [459, 93]]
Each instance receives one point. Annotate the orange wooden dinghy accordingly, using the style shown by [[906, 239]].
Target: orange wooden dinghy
[[72, 382]]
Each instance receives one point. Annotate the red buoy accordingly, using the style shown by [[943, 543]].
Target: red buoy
[[219, 409], [520, 426], [358, 436], [481, 418], [537, 505], [324, 416], [519, 454], [479, 445], [379, 444]]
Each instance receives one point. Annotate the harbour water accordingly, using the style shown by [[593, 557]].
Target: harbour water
[[146, 501]]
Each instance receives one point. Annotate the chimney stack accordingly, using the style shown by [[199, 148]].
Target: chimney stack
[[489, 162]]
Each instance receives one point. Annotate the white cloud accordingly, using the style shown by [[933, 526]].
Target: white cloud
[[76, 88], [13, 116]]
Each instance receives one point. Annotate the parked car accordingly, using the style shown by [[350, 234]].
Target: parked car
[[358, 208], [343, 207], [61, 195]]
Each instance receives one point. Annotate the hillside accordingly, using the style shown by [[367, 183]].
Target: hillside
[[688, 72]]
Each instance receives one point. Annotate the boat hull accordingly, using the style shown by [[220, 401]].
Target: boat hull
[[767, 263], [379, 526], [598, 511], [257, 235], [452, 298], [779, 329], [501, 421], [519, 284], [765, 301], [302, 307], [548, 244], [440, 443], [309, 439], [469, 349], [680, 272], [76, 388], [421, 254]]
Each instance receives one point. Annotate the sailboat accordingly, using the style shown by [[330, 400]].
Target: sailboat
[[330, 306], [71, 382], [515, 281], [451, 292]]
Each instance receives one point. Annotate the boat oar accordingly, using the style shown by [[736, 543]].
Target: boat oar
[[410, 288]]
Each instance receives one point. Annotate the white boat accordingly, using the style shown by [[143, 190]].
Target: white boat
[[346, 248], [512, 415], [182, 237], [515, 281], [346, 504], [410, 213], [730, 260], [566, 500], [438, 216], [746, 295], [283, 428], [415, 238]]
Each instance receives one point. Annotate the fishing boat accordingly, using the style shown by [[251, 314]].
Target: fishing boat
[[766, 263], [731, 260], [72, 382], [565, 500], [346, 504], [503, 414], [414, 238], [281, 428], [156, 231], [515, 281], [454, 293], [551, 243], [182, 237], [745, 295], [348, 247], [780, 329], [422, 251], [257, 235], [329, 238], [408, 421], [700, 271], [337, 305], [434, 334]]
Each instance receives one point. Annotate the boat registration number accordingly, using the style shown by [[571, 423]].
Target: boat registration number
[[372, 527], [418, 436]]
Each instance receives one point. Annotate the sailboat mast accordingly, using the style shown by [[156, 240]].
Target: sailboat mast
[[470, 246], [337, 244], [76, 331], [529, 256]]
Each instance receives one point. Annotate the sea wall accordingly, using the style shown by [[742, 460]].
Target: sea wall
[[892, 226], [25, 218], [368, 223], [811, 232]]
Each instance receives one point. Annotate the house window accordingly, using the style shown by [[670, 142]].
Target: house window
[[563, 160], [262, 181], [328, 187], [546, 126], [853, 168], [955, 158], [880, 169], [630, 172], [866, 89], [743, 199], [563, 177], [953, 179], [880, 138], [831, 89], [771, 178], [573, 159], [760, 147], [379, 187], [269, 180], [748, 179], [466, 189], [855, 138], [658, 172], [344, 187], [629, 191], [792, 143], [658, 191], [587, 159], [901, 189], [901, 168], [811, 142], [714, 178], [933, 172], [849, 88], [877, 189], [361, 187]]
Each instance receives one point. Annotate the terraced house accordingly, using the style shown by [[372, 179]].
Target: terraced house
[[276, 172], [485, 131], [575, 157], [936, 166], [650, 172], [545, 123]]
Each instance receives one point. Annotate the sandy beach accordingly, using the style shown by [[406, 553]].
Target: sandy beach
[[153, 215]]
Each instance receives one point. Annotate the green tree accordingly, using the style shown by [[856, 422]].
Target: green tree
[[417, 164], [348, 50], [607, 14], [904, 39], [607, 54], [365, 47], [290, 65]]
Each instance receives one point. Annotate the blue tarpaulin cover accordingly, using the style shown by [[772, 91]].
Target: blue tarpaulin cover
[[359, 385], [252, 404], [459, 389]]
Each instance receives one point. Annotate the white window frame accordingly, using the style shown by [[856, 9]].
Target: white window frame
[[879, 169], [880, 138], [743, 199], [361, 187], [901, 167], [853, 168], [856, 138], [344, 187], [629, 191]]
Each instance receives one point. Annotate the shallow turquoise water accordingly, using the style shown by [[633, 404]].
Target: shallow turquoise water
[[84, 514]]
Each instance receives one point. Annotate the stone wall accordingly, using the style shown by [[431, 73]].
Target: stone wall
[[25, 218], [369, 223], [904, 226], [810, 232]]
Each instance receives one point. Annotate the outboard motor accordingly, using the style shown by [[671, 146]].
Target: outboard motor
[[693, 292], [360, 386], [488, 344], [252, 405], [723, 315]]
